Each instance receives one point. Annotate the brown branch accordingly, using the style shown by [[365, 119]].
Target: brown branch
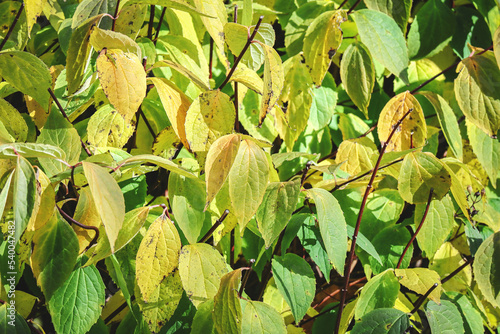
[[422, 298], [214, 227], [456, 271], [11, 28], [86, 227], [159, 24], [115, 17], [353, 7], [151, 21]]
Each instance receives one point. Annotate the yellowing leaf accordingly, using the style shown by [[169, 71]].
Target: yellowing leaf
[[446, 260], [86, 213], [413, 130], [101, 39], [219, 161], [358, 155], [486, 269], [486, 149], [419, 173], [420, 280], [496, 45], [159, 161], [273, 81], [477, 93], [208, 118], [13, 121], [227, 313], [249, 78], [201, 268], [248, 180], [108, 199], [323, 38], [33, 10], [123, 80], [214, 24], [157, 257], [130, 20], [107, 128], [184, 71], [261, 318], [176, 104]]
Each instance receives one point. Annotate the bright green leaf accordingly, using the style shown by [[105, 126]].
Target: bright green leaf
[[444, 317], [381, 291], [227, 312], [486, 264]]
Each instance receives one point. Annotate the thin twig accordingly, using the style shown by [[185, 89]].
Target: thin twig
[[342, 4], [422, 298], [159, 24], [66, 116], [245, 278], [456, 271], [118, 310], [353, 7], [210, 58], [303, 178], [231, 248], [116, 15], [238, 59], [151, 21], [347, 268], [417, 230], [11, 28], [86, 227], [150, 128], [214, 227]]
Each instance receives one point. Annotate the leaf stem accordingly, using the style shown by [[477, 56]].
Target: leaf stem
[[236, 119], [86, 227], [238, 59], [214, 227], [51, 92], [11, 28], [353, 7], [422, 298], [418, 229], [211, 58], [159, 24], [116, 15], [347, 268], [151, 21]]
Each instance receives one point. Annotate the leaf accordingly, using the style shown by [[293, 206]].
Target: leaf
[[13, 122], [157, 257], [214, 24], [260, 318], [174, 4], [382, 320], [4, 193], [176, 104], [446, 260], [209, 117], [24, 195], [332, 226], [473, 322], [248, 179], [12, 322], [184, 71], [187, 198], [76, 305], [413, 130], [108, 199], [159, 161], [486, 149], [390, 252], [108, 39], [276, 209], [201, 268], [437, 225], [444, 317], [496, 45], [486, 269], [227, 312], [280, 158], [357, 72], [398, 10], [420, 280], [108, 128], [477, 92], [324, 102], [220, 159], [434, 19], [90, 8], [130, 20], [295, 281], [30, 150], [382, 36], [249, 78], [203, 321], [419, 173], [357, 155], [123, 80], [31, 77], [58, 132], [273, 81], [322, 39], [54, 255], [448, 122], [381, 291]]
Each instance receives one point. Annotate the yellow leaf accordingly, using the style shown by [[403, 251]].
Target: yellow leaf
[[321, 41], [157, 257], [413, 130], [123, 80], [184, 71], [86, 213], [359, 155], [209, 117], [227, 313], [248, 180], [33, 10], [446, 260], [108, 39], [249, 78], [273, 80], [420, 280], [215, 24], [176, 105], [496, 45], [130, 19], [166, 143], [13, 121], [107, 128]]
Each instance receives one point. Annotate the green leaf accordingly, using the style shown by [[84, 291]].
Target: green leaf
[[322, 39], [381, 291], [273, 80], [90, 8], [157, 257], [437, 225], [159, 161], [248, 179], [419, 173], [101, 39], [12, 322], [227, 312], [260, 318], [30, 150], [209, 117], [496, 45], [25, 184], [276, 209], [55, 249], [448, 122], [364, 244], [30, 75], [332, 226], [477, 93], [390, 252], [108, 199], [324, 102], [4, 193], [187, 198], [434, 19], [486, 149], [295, 281], [486, 264], [13, 122], [357, 72], [385, 40], [398, 10], [174, 4], [420, 280], [382, 320], [76, 305], [19, 35], [444, 317], [203, 321], [473, 322], [201, 268]]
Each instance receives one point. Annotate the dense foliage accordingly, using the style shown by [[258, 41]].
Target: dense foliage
[[253, 166]]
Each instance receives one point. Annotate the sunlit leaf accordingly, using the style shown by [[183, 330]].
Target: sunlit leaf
[[444, 317], [108, 128], [358, 155], [398, 10], [420, 280], [13, 122], [214, 24], [486, 269], [486, 149], [273, 80], [261, 318], [108, 39], [227, 312], [24, 195], [381, 291], [382, 320]]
